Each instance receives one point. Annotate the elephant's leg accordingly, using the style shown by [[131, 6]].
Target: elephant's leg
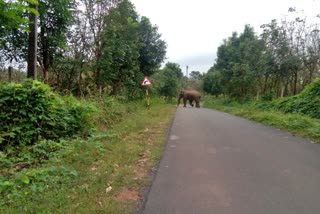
[[197, 103], [190, 101], [184, 102]]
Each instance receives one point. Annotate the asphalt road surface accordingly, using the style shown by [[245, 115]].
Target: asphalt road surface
[[217, 163]]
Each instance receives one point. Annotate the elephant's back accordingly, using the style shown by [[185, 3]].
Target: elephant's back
[[193, 93]]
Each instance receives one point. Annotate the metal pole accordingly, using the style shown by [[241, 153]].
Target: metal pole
[[187, 72], [148, 99]]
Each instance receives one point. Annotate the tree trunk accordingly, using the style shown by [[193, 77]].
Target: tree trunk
[[265, 83], [32, 45], [295, 83], [282, 90], [10, 73]]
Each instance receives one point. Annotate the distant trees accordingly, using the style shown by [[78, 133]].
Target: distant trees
[[279, 62], [84, 46], [168, 81], [175, 67], [195, 75]]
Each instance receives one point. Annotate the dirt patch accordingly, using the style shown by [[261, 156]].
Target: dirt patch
[[128, 195], [140, 173]]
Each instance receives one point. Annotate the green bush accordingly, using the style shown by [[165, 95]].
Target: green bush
[[307, 102], [31, 111]]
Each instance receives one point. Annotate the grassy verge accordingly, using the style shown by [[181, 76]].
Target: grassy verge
[[103, 174], [298, 124]]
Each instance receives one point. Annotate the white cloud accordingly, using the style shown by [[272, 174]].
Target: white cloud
[[196, 28]]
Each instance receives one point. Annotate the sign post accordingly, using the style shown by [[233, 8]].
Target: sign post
[[144, 83]]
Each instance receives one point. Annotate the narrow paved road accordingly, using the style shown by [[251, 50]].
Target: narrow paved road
[[217, 163]]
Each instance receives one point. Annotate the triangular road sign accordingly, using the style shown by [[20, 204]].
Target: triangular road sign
[[146, 82]]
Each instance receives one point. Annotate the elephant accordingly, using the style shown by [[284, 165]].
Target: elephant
[[190, 95]]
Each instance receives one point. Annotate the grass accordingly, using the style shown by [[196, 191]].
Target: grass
[[103, 174], [297, 124]]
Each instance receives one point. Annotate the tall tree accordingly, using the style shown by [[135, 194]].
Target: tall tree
[[55, 18], [175, 67], [152, 48], [95, 13], [120, 47]]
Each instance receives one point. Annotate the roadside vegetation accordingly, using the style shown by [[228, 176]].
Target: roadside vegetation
[[77, 136], [85, 155], [297, 114]]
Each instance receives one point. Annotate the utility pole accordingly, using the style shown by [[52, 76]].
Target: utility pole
[[187, 72], [32, 44]]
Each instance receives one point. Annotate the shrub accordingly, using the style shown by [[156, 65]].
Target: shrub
[[307, 102], [31, 111]]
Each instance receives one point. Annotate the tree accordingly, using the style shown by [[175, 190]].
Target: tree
[[95, 13], [212, 82], [55, 18], [167, 81], [11, 15], [175, 68], [237, 60], [153, 48], [169, 88], [14, 24], [131, 48], [195, 75], [120, 48]]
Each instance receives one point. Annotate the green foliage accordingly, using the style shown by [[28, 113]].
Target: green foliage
[[14, 27], [170, 86], [175, 68], [152, 49], [195, 75], [119, 61], [235, 70], [278, 63], [307, 102], [11, 16], [81, 169], [212, 83], [66, 117], [31, 111], [31, 183], [113, 110], [132, 49], [55, 18], [167, 81]]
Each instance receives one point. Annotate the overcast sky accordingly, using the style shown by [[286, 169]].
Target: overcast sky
[[194, 29]]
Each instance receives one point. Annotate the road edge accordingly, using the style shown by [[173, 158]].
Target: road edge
[[152, 174]]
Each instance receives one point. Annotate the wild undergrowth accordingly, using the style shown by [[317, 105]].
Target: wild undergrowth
[[93, 157]]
